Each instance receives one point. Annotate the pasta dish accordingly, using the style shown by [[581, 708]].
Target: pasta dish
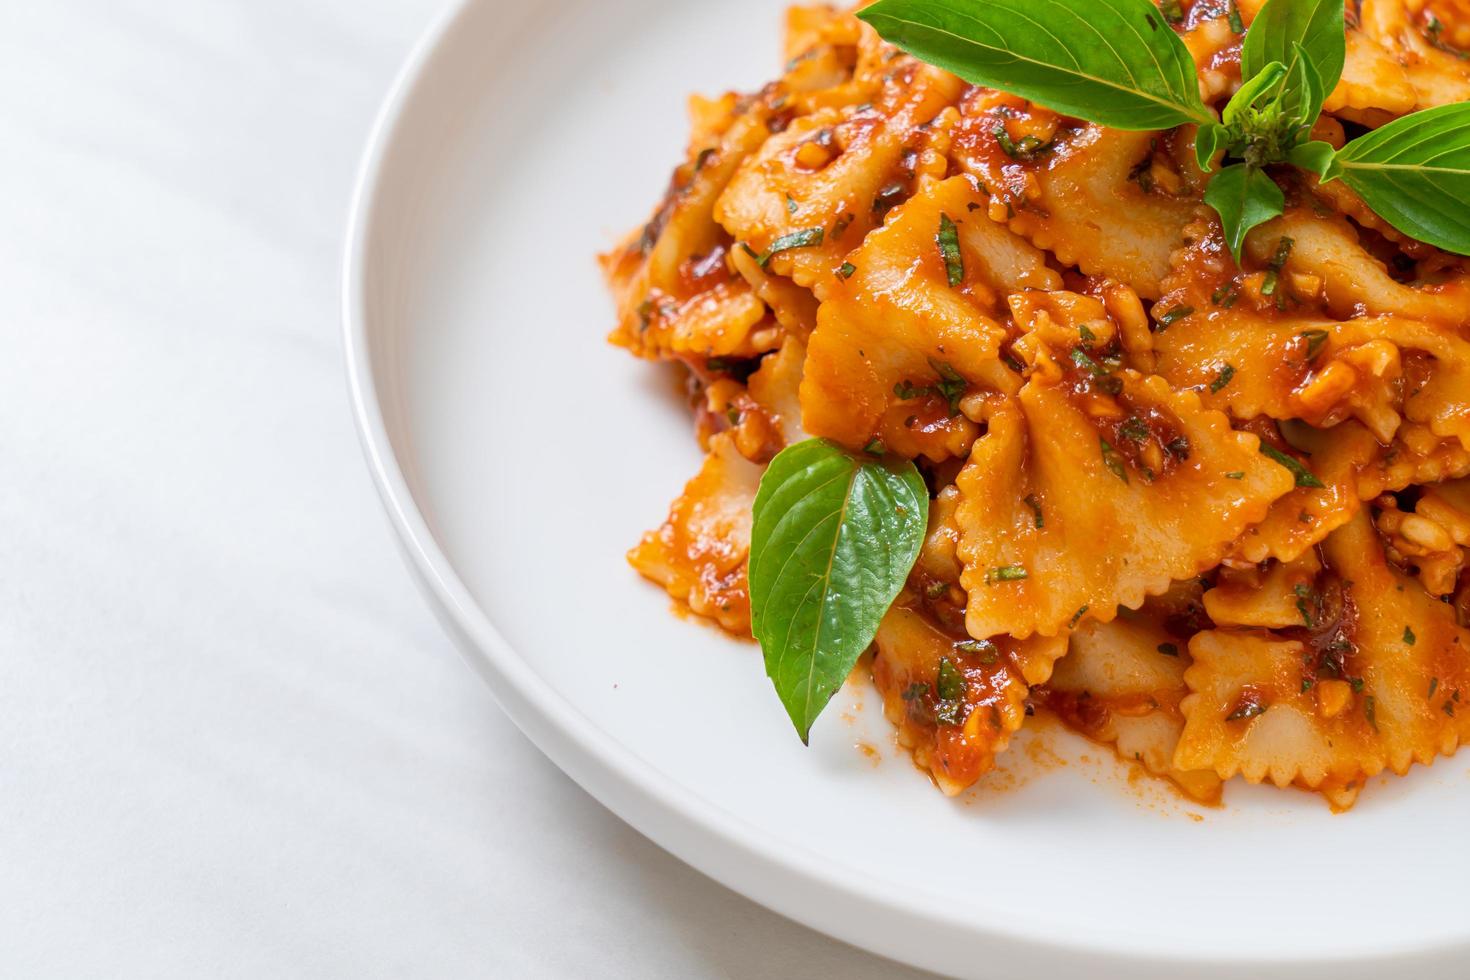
[[1204, 497]]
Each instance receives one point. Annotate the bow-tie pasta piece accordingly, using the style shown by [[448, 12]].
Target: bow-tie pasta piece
[[1372, 678], [955, 701], [813, 191], [1121, 683], [1111, 203], [1096, 488], [913, 326], [1400, 60], [1304, 517], [699, 553]]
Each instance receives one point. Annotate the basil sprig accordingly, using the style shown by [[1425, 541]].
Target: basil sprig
[[1119, 64], [1115, 62], [834, 539]]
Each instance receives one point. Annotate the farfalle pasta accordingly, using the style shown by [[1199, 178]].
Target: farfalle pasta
[[1211, 512]]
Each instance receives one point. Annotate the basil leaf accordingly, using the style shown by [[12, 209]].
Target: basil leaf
[[833, 540], [1244, 197], [1316, 24], [1415, 174], [1114, 62], [1210, 139], [1247, 94], [1318, 157], [1302, 94]]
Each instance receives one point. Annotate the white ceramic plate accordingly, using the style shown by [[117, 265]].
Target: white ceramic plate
[[520, 456]]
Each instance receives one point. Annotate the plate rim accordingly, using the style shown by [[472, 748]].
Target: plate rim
[[797, 883]]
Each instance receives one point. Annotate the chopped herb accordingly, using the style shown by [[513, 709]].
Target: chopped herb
[[1433, 686], [1111, 385], [1247, 709], [1085, 334], [917, 690], [1076, 617], [1315, 340], [1112, 460], [846, 270], [887, 197], [984, 649], [1235, 475], [1409, 636], [1222, 379], [1169, 649], [1025, 148], [1236, 24], [1278, 261], [1357, 684], [1171, 10], [1080, 358], [1134, 429], [1040, 519], [1005, 573], [950, 685], [806, 238], [733, 414], [750, 251], [1448, 707], [1176, 313], [951, 385], [1226, 295], [1370, 708], [1306, 684], [1432, 32], [1304, 477], [840, 225], [1178, 447], [875, 447], [1303, 594], [937, 590], [790, 205], [906, 390], [949, 249]]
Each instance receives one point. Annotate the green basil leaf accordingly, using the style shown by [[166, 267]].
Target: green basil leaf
[[1302, 93], [1244, 197], [833, 540], [1246, 95], [1114, 62], [1316, 24], [1415, 174], [1210, 139], [1318, 157]]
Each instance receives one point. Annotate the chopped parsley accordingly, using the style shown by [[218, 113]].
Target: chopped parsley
[[790, 205], [1370, 708], [1040, 519], [806, 238], [1246, 709], [1315, 341], [1273, 270], [1169, 649], [1222, 379], [1304, 594], [950, 386], [984, 649], [1112, 460], [1235, 475], [1134, 429], [1171, 10], [916, 690], [1006, 573], [1304, 477], [846, 270], [937, 590], [1026, 148], [1082, 360], [948, 239], [1236, 24], [1226, 295], [1076, 617], [1167, 319], [1433, 686], [950, 685], [1409, 637], [875, 447]]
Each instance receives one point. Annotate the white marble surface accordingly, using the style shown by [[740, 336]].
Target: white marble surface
[[233, 741]]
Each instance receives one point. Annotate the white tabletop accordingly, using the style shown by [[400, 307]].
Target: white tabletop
[[233, 740]]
